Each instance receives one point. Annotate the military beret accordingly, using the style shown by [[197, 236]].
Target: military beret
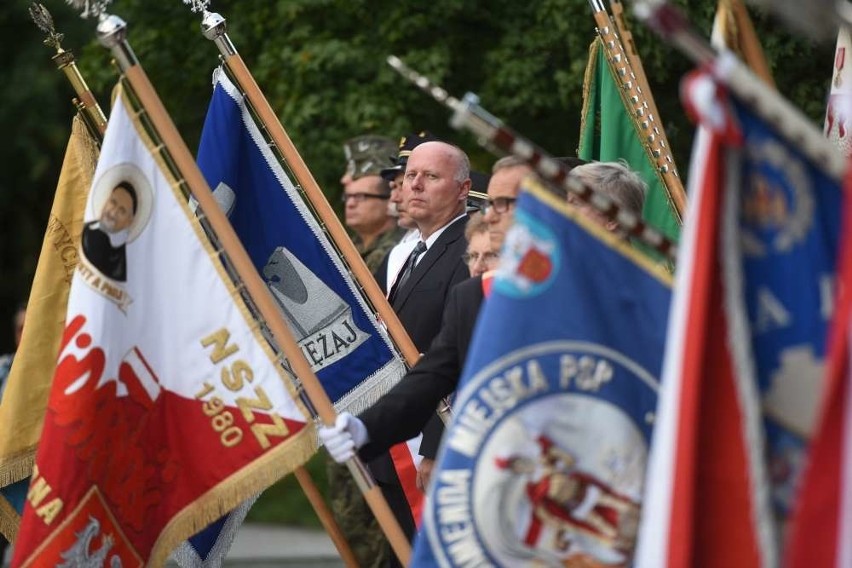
[[368, 155]]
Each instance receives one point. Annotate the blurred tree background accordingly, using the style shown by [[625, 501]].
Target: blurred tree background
[[322, 66]]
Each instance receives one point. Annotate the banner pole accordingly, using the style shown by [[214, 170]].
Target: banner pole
[[90, 111], [637, 97], [325, 516], [671, 25]]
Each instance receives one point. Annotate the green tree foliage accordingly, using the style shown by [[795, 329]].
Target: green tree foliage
[[321, 63]]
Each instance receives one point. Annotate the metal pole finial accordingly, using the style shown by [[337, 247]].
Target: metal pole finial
[[85, 102], [44, 21], [111, 30], [112, 34], [213, 25]]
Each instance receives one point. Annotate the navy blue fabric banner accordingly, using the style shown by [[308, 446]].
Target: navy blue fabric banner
[[780, 236], [544, 461], [330, 320]]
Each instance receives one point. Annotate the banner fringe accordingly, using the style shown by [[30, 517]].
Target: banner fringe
[[16, 467], [228, 495]]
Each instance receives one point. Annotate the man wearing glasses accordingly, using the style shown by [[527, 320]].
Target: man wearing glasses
[[374, 232], [365, 198], [503, 189]]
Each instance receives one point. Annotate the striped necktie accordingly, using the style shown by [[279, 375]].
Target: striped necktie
[[407, 269]]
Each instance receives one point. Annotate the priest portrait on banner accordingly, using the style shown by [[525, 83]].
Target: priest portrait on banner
[[119, 198]]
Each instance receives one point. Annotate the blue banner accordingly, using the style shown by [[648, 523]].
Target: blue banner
[[350, 354], [780, 242], [545, 458], [338, 334]]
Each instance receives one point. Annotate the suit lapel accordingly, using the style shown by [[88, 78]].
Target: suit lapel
[[453, 233]]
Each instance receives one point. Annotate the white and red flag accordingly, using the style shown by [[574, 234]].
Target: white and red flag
[[743, 370], [168, 407], [698, 416]]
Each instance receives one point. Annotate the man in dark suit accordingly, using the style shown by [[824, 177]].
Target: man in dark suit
[[435, 188], [405, 411]]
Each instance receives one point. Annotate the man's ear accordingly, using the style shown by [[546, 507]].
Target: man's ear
[[611, 225], [464, 189]]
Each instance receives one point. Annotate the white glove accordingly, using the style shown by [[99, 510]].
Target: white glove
[[344, 438]]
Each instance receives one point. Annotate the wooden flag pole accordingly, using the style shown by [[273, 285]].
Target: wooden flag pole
[[214, 29], [632, 53], [325, 516], [112, 34], [638, 98], [738, 33]]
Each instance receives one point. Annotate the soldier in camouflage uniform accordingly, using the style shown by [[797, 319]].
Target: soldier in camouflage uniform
[[366, 198], [374, 231]]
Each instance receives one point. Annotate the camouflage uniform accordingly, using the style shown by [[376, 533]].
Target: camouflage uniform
[[351, 511], [376, 253], [365, 155]]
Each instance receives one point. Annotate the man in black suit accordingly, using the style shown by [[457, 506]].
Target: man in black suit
[[435, 185]]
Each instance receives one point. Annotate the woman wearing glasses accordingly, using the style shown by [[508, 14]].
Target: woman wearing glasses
[[479, 256]]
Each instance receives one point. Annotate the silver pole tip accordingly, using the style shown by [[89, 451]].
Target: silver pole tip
[[213, 25], [111, 30]]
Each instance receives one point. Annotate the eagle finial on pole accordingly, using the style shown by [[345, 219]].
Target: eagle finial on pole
[[85, 102], [44, 21]]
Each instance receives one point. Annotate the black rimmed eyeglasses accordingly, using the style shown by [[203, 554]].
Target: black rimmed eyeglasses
[[360, 197], [500, 204]]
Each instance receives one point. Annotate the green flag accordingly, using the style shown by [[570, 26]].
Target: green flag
[[609, 132]]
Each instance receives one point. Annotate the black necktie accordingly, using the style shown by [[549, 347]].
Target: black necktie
[[407, 269]]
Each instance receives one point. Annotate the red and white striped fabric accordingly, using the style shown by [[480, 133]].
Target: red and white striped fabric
[[406, 461], [700, 505], [821, 528]]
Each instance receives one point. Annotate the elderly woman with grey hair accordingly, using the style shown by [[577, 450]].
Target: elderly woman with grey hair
[[614, 180]]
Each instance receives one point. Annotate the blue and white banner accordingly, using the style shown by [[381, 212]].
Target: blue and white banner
[[349, 351], [780, 230], [544, 461]]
